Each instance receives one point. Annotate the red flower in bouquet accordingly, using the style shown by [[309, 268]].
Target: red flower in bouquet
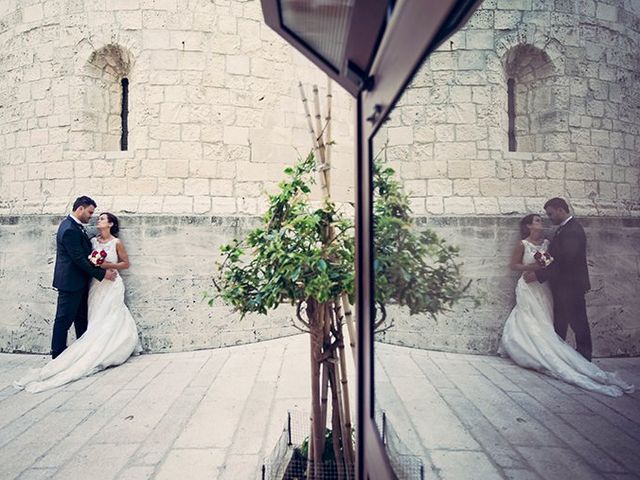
[[543, 258], [98, 257]]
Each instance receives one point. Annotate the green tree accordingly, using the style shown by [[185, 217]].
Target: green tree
[[304, 255]]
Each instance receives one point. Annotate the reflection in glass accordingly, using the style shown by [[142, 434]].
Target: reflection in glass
[[415, 273]]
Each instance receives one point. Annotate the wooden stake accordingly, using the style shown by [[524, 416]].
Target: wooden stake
[[351, 328], [327, 133]]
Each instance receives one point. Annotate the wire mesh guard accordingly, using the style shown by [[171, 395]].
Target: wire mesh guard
[[288, 462], [404, 463]]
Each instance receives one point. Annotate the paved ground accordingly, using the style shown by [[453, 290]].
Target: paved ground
[[215, 414]]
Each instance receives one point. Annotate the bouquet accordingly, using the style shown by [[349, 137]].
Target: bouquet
[[97, 257], [543, 258]]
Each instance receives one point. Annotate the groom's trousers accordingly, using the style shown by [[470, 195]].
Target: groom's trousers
[[569, 309], [71, 309]]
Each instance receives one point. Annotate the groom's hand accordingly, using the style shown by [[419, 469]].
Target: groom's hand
[[529, 277], [111, 275]]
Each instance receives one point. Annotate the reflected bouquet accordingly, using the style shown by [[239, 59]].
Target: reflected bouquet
[[543, 258], [97, 257]]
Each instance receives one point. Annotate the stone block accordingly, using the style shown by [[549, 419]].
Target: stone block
[[471, 60], [150, 204], [236, 135], [459, 205], [579, 171], [608, 13], [440, 187], [458, 169], [196, 186], [32, 13], [466, 187], [170, 186], [142, 186], [59, 170], [238, 64], [174, 204], [486, 205]]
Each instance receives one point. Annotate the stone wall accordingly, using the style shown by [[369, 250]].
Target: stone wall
[[215, 116], [172, 263], [215, 110], [486, 245]]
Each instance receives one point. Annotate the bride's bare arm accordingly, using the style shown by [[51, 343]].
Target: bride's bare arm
[[516, 260], [123, 258]]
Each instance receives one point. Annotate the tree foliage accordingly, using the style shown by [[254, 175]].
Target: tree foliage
[[296, 255], [416, 269], [291, 258]]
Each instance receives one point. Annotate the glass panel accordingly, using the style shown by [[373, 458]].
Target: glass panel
[[323, 24], [416, 277], [394, 391]]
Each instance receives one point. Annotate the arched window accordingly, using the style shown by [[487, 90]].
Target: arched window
[[102, 115], [537, 107]]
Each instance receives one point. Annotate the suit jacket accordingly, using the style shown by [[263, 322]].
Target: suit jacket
[[569, 251], [73, 270]]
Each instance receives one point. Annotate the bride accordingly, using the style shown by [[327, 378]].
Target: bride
[[529, 338], [111, 336]]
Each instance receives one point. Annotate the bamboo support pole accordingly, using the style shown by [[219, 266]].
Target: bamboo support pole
[[348, 446], [325, 374], [319, 131], [336, 422], [351, 327], [314, 138], [327, 132]]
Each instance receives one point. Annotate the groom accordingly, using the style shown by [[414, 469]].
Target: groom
[[72, 274], [568, 275]]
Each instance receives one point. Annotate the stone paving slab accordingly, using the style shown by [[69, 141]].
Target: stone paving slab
[[216, 414]]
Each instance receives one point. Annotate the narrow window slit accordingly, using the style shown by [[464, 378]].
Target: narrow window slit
[[511, 112], [124, 115]]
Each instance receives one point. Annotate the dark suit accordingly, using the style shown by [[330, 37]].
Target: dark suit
[[71, 277], [568, 277]]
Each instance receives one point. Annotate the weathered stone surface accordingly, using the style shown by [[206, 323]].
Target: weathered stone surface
[[215, 117], [172, 262], [485, 245], [173, 259]]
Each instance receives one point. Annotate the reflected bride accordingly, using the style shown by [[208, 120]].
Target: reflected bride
[[529, 338]]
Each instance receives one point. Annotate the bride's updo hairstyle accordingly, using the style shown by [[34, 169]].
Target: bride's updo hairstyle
[[115, 228], [525, 223]]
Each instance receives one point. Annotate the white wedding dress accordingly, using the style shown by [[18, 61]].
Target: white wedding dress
[[530, 340], [111, 336]]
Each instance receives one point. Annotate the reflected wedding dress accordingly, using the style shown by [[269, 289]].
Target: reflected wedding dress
[[530, 340], [111, 336]]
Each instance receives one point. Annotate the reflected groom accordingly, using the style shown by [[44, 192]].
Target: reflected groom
[[568, 275]]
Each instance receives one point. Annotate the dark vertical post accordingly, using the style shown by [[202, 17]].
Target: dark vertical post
[[511, 112], [289, 428], [124, 115]]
